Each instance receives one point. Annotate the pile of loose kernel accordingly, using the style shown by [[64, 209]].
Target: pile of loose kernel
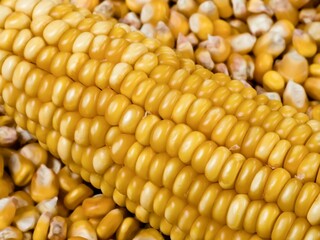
[[272, 45], [42, 199]]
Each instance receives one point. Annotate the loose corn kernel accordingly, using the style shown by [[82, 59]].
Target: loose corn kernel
[[303, 43], [284, 28], [298, 3], [94, 222], [155, 11], [68, 180], [293, 66], [285, 11], [58, 228], [218, 48], [8, 210], [275, 98], [238, 26], [42, 227], [77, 196], [131, 19], [76, 238], [314, 70], [77, 214], [178, 23], [203, 57], [27, 235], [102, 204], [148, 233], [224, 8], [238, 66], [201, 25], [273, 81], [221, 28], [8, 137], [26, 218], [259, 24], [209, 9], [82, 229], [295, 95], [148, 30], [110, 223], [184, 48], [11, 233], [21, 169], [271, 42], [187, 7], [8, 186], [164, 34], [316, 58], [128, 229], [263, 63], [135, 5], [49, 206], [311, 86], [239, 8], [35, 153], [22, 199], [307, 15], [242, 43], [44, 181], [311, 29]]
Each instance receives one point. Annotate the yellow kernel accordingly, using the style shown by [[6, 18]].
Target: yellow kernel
[[82, 229], [155, 11], [8, 210], [76, 196], [110, 223], [201, 25], [273, 81], [311, 87]]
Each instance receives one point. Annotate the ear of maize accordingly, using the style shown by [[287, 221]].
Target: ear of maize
[[181, 148]]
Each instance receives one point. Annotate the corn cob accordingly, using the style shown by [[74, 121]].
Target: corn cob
[[121, 135], [139, 116]]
